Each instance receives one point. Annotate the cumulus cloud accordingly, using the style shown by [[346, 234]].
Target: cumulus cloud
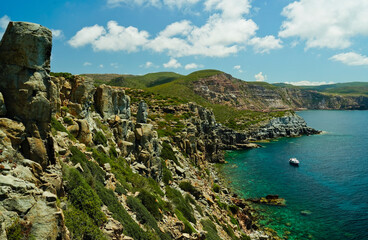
[[308, 83], [325, 23], [192, 66], [225, 32], [260, 77], [173, 63], [57, 34], [265, 44], [114, 38], [101, 66], [87, 64], [351, 59]]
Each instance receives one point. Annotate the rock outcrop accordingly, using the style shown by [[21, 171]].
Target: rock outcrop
[[112, 101]]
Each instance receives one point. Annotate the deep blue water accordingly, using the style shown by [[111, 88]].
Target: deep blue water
[[331, 181]]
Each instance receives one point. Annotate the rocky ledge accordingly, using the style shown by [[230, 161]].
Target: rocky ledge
[[85, 162]]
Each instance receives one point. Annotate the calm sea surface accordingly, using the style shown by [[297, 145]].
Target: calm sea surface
[[331, 181]]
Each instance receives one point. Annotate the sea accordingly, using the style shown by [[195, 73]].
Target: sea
[[327, 195]]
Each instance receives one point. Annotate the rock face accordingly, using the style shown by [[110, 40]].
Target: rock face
[[112, 101], [25, 51]]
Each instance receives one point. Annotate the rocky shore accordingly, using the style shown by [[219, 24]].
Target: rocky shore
[[79, 161]]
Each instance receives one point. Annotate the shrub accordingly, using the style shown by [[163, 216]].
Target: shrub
[[143, 215], [229, 231], [188, 187], [99, 138], [80, 225], [19, 230], [211, 230], [188, 198], [57, 126], [188, 228], [168, 153], [180, 203], [216, 188], [149, 201], [120, 189], [131, 228], [68, 120]]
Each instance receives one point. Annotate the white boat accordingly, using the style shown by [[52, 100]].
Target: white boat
[[294, 161]]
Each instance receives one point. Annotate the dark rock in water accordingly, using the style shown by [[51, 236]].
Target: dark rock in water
[[274, 200], [142, 112], [272, 197]]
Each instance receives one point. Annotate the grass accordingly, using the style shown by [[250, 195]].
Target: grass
[[168, 153], [57, 126], [99, 138], [188, 228], [19, 230], [150, 202], [211, 230]]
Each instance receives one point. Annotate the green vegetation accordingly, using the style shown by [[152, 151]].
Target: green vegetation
[[216, 188], [57, 126], [99, 138], [65, 75], [168, 153], [211, 230], [150, 202], [166, 173], [19, 230], [180, 203], [68, 120], [188, 187]]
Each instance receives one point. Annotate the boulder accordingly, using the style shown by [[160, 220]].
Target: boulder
[[34, 149], [111, 101], [142, 112], [85, 135], [13, 130]]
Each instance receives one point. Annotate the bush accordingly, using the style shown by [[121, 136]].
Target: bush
[[80, 225], [68, 120], [168, 153], [19, 230], [216, 188], [120, 189], [229, 231], [211, 230], [143, 215], [149, 201], [188, 228], [180, 203], [131, 228], [188, 187], [57, 126], [99, 138]]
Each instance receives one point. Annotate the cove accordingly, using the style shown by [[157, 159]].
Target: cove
[[331, 184]]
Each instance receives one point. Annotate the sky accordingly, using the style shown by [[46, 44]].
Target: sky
[[304, 42]]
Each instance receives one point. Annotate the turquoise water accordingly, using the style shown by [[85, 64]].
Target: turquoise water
[[331, 181]]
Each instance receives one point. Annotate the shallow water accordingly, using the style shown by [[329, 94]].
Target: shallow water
[[331, 181]]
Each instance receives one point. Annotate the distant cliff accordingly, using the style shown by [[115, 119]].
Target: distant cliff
[[224, 89]]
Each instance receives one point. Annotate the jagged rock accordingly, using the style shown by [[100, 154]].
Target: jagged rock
[[50, 197], [142, 112], [13, 130], [112, 101], [17, 184], [19, 203]]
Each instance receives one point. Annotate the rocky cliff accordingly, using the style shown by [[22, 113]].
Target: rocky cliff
[[85, 162], [224, 89]]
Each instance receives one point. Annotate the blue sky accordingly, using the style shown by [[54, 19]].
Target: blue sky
[[301, 42]]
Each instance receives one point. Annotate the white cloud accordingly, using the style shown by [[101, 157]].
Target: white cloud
[[351, 59], [154, 3], [115, 38], [260, 77], [177, 28], [87, 64], [86, 35], [325, 23], [114, 65], [229, 8], [4, 21], [308, 83], [57, 34], [101, 66], [238, 67], [192, 66], [148, 64], [173, 63], [265, 44]]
